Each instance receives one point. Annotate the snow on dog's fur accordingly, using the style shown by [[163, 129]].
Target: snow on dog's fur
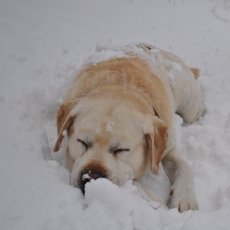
[[119, 117]]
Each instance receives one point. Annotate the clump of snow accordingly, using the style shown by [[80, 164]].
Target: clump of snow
[[176, 66], [43, 43], [109, 198], [109, 126], [85, 176], [104, 54]]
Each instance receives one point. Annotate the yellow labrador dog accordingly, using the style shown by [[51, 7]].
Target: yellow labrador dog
[[118, 116]]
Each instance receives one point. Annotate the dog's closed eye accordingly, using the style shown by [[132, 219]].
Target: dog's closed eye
[[86, 144], [116, 150]]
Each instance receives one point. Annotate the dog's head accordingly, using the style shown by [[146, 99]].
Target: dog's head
[[110, 135]]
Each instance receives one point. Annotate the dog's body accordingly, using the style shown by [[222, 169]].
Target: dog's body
[[119, 117]]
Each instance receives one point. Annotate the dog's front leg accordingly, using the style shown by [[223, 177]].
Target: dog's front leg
[[148, 193], [182, 195]]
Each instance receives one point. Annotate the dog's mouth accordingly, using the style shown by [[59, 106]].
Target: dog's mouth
[[88, 175]]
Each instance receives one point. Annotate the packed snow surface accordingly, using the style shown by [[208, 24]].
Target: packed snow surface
[[42, 46]]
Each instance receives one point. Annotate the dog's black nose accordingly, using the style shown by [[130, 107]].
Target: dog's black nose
[[88, 175]]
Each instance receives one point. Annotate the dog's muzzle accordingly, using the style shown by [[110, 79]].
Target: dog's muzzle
[[87, 175]]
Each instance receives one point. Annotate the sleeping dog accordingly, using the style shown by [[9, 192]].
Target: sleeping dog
[[119, 119]]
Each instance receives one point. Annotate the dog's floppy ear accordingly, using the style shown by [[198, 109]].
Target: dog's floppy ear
[[156, 141], [65, 117]]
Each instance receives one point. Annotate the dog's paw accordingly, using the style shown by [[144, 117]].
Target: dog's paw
[[183, 199]]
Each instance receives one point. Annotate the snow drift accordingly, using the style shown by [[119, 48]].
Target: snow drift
[[42, 45]]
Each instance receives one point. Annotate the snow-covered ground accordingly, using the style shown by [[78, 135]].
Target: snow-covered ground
[[42, 44]]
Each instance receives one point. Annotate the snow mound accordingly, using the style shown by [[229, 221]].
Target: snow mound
[[123, 206]]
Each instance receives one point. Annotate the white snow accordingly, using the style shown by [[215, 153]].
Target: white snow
[[42, 44], [109, 126]]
